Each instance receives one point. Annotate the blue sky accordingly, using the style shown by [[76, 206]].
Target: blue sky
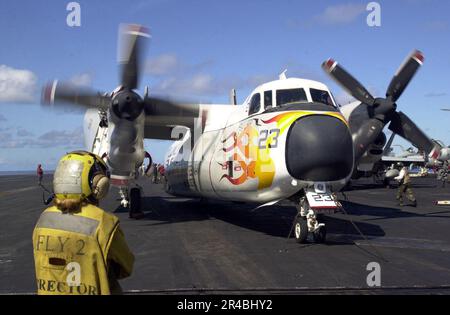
[[201, 49]]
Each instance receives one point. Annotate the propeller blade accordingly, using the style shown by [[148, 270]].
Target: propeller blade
[[348, 82], [132, 44], [407, 129], [404, 75], [158, 107], [367, 134], [388, 146], [56, 92]]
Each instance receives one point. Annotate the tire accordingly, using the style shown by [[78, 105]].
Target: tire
[[135, 200], [300, 230], [320, 236], [378, 173]]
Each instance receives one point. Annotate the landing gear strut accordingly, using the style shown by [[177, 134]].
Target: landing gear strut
[[123, 192], [135, 200], [132, 201], [306, 222]]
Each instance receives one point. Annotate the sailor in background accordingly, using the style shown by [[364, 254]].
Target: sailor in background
[[405, 186]]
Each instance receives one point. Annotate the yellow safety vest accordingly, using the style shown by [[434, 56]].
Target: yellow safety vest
[[80, 253]]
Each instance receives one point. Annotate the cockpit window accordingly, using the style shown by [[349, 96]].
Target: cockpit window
[[290, 96], [321, 96], [255, 104], [267, 99]]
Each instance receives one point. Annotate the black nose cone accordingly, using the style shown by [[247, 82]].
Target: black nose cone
[[319, 148], [127, 105]]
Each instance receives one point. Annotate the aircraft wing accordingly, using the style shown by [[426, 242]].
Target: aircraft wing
[[413, 159], [158, 132], [162, 117]]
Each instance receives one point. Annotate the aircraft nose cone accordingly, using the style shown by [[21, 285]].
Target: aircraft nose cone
[[319, 148]]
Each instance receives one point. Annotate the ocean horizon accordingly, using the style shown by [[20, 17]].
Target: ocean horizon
[[28, 172]]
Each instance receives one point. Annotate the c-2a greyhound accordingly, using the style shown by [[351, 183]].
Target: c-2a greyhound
[[288, 140]]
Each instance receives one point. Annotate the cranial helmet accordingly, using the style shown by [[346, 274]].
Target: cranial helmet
[[400, 164], [81, 175]]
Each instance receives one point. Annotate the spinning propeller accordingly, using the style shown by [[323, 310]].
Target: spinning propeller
[[124, 102]]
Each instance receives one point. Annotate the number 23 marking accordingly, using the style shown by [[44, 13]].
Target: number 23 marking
[[262, 144], [322, 198]]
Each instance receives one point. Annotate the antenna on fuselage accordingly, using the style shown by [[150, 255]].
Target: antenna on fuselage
[[282, 75], [233, 100]]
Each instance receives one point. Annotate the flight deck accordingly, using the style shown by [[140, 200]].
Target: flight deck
[[200, 246]]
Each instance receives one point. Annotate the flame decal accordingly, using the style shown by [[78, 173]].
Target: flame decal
[[254, 162]]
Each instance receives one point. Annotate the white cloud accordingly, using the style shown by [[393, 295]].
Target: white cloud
[[206, 85], [178, 79], [340, 14], [202, 82], [64, 138], [344, 98], [71, 139], [198, 85], [162, 65], [24, 133], [17, 85], [5, 136], [169, 64], [82, 79], [436, 94]]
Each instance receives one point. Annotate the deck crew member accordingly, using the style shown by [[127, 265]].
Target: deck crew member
[[40, 174], [79, 248], [405, 185]]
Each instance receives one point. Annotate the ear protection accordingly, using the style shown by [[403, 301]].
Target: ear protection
[[80, 175], [100, 186], [99, 180], [98, 176]]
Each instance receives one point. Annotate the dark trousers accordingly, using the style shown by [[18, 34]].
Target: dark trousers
[[405, 189]]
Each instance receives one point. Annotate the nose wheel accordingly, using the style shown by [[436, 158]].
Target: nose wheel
[[132, 201], [135, 200], [320, 235], [301, 230], [306, 223], [135, 204]]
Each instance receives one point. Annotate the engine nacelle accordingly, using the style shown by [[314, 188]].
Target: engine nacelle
[[126, 152], [381, 140], [445, 154], [373, 155]]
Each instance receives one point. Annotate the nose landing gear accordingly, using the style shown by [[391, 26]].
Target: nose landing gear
[[132, 201], [306, 222], [123, 192]]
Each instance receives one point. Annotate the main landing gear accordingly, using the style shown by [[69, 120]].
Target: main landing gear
[[132, 201], [307, 222]]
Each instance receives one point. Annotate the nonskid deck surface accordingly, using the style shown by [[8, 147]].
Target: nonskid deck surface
[[190, 246]]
